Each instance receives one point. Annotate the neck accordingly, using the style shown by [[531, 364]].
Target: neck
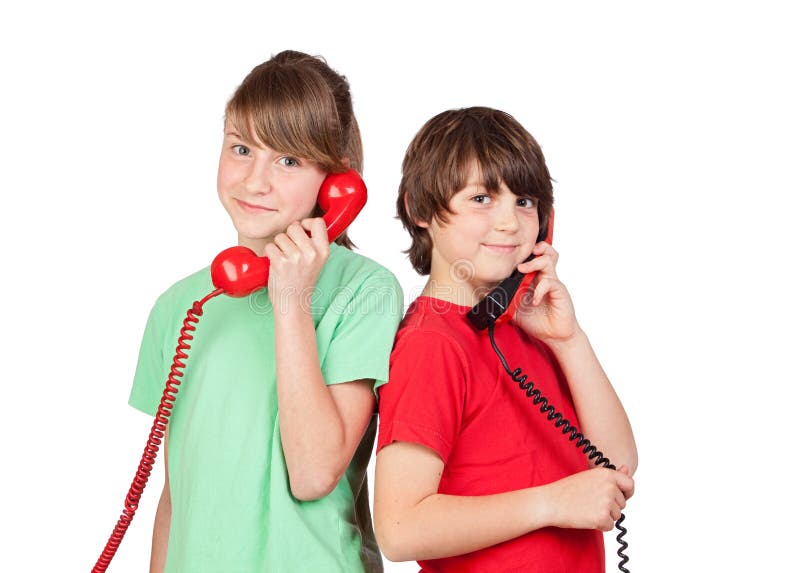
[[255, 245], [462, 293]]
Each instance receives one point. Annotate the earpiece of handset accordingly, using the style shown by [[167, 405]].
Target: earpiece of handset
[[341, 198], [238, 271], [502, 302]]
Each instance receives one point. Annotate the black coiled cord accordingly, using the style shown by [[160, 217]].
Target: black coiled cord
[[566, 428]]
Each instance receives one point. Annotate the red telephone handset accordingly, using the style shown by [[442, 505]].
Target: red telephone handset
[[238, 271], [501, 304]]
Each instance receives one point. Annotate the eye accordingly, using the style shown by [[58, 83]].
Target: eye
[[526, 202], [239, 149], [289, 162], [481, 199]]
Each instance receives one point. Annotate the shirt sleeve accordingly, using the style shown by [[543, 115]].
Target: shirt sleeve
[[151, 374], [423, 402], [362, 340]]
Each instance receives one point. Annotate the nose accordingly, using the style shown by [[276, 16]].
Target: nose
[[506, 218], [258, 179]]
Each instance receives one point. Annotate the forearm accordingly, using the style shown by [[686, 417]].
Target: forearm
[[312, 431], [158, 553], [446, 525], [602, 418]]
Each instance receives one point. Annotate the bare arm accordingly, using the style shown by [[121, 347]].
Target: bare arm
[[158, 553], [414, 522], [321, 426], [602, 418], [550, 316]]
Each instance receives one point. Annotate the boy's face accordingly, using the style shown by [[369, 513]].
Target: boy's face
[[264, 190], [484, 240]]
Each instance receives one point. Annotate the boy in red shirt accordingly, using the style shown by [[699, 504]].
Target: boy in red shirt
[[470, 476]]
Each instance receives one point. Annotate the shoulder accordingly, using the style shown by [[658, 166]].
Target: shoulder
[[348, 275], [428, 330], [350, 266], [421, 344], [181, 294], [437, 321], [426, 366]]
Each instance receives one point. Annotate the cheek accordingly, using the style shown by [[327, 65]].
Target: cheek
[[472, 227], [313, 186], [533, 228], [302, 195], [225, 177]]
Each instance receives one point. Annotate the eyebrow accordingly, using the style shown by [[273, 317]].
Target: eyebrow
[[243, 138], [481, 185], [480, 182]]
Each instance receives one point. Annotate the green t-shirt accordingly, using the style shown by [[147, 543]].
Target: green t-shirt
[[232, 508]]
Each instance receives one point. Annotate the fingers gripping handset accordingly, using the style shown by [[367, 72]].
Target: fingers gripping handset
[[239, 271], [501, 304]]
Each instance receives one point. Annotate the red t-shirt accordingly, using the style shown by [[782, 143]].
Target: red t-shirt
[[448, 391]]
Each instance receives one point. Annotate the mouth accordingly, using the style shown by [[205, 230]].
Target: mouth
[[250, 208], [500, 248]]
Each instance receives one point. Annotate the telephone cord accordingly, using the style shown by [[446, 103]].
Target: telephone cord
[[591, 451], [157, 433]]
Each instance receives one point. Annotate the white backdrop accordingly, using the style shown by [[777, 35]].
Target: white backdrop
[[672, 133]]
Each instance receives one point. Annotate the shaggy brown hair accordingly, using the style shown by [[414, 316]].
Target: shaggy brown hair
[[438, 162], [296, 104]]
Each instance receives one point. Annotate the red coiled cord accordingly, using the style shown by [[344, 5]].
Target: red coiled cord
[[156, 434]]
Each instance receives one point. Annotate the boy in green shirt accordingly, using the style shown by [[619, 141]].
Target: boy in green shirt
[[271, 433]]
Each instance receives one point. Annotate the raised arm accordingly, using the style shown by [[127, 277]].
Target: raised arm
[[549, 316], [321, 426], [602, 418]]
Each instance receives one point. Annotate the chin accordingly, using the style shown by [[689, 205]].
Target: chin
[[488, 281], [497, 275], [256, 232]]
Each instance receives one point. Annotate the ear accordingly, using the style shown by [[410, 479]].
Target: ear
[[346, 162], [418, 222]]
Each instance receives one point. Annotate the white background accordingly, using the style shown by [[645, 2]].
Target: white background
[[671, 131]]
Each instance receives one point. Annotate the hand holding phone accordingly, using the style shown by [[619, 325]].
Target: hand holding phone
[[239, 271], [296, 259]]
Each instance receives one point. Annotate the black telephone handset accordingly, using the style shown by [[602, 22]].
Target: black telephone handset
[[499, 306]]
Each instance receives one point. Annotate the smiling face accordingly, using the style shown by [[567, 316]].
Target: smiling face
[[262, 189], [462, 149], [486, 235]]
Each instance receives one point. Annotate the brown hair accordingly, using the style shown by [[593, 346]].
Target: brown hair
[[439, 159], [295, 103]]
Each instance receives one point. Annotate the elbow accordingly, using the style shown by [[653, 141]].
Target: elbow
[[633, 457], [389, 548], [312, 484], [633, 463], [392, 554], [390, 542], [629, 459]]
